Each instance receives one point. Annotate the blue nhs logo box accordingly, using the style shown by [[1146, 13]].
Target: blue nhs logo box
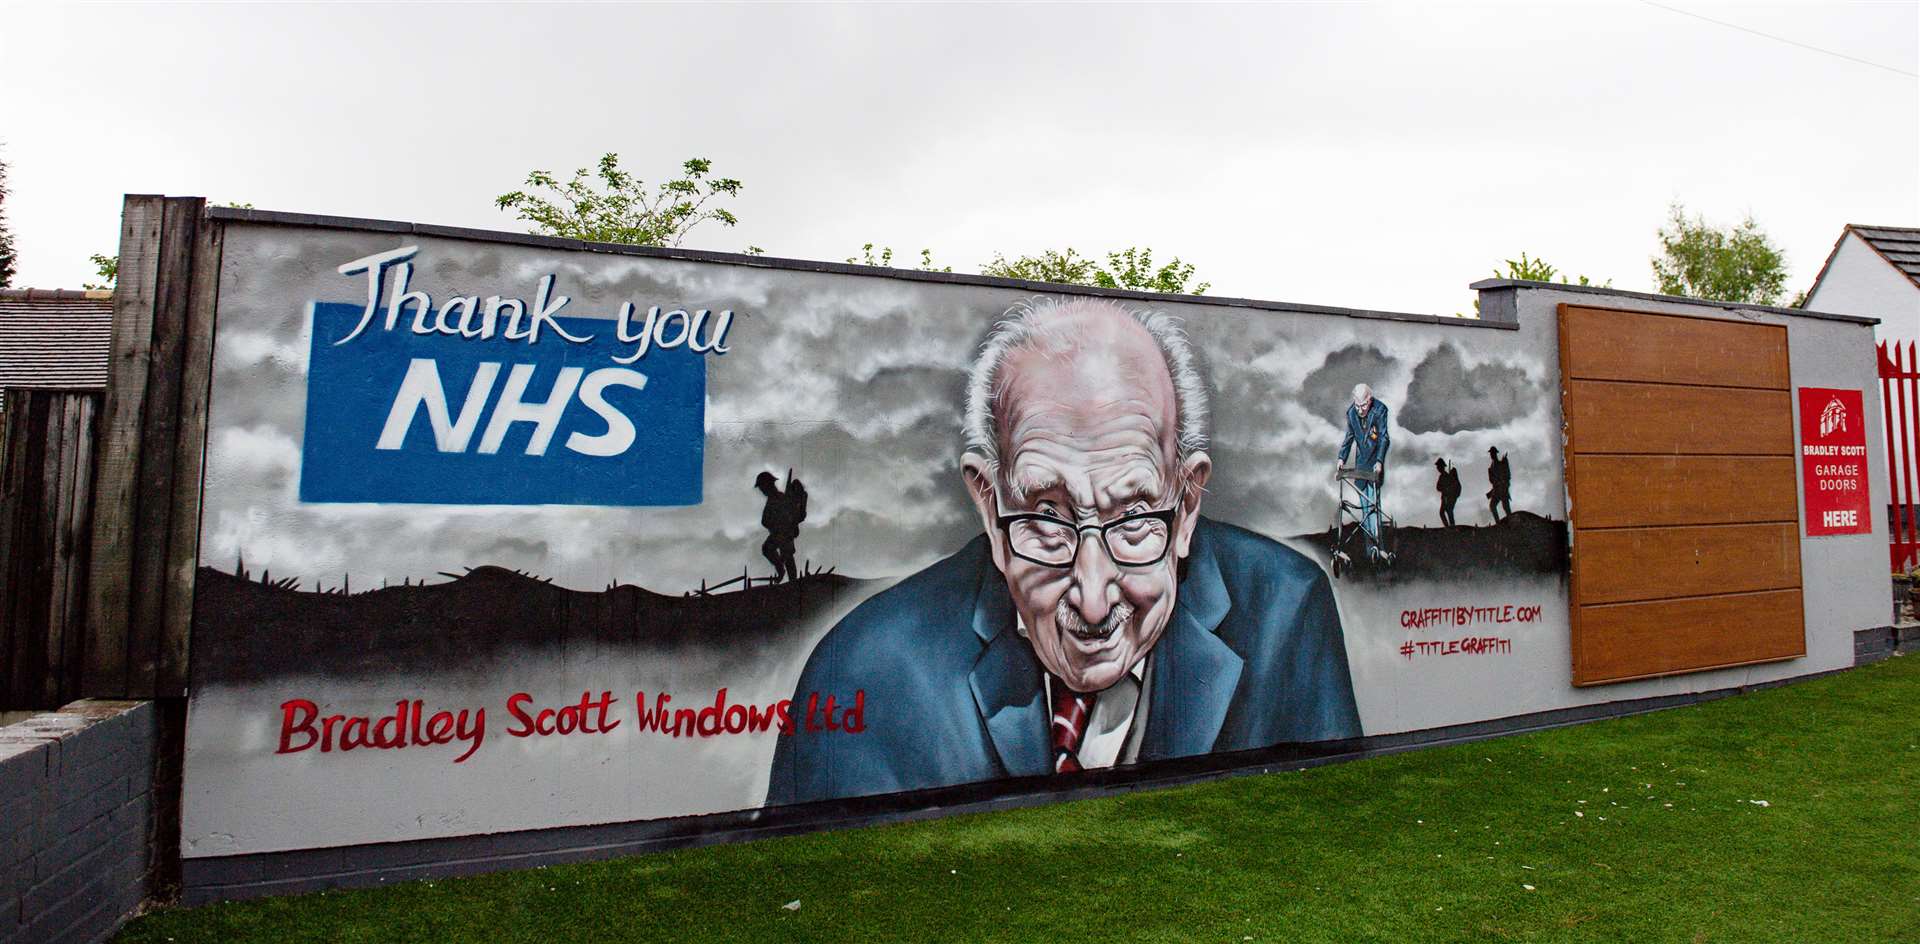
[[496, 402]]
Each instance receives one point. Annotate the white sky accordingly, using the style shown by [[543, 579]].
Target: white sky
[[1373, 155]]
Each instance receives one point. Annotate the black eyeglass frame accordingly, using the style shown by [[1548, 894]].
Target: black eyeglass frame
[[1165, 516]]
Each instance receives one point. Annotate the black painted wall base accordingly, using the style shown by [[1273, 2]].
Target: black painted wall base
[[222, 878]]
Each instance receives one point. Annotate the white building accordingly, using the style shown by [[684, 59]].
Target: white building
[[1873, 271]]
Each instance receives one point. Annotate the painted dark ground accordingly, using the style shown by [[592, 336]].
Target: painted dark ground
[[248, 630], [1522, 543]]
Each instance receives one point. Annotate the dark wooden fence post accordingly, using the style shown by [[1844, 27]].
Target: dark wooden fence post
[[147, 484], [190, 443]]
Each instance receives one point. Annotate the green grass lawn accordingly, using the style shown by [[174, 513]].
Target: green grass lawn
[[1787, 815]]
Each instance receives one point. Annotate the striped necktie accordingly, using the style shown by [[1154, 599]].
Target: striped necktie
[[1071, 710]]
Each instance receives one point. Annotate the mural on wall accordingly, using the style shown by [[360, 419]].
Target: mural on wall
[[1100, 618], [499, 537]]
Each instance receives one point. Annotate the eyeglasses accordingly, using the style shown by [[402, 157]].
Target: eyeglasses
[[1135, 540]]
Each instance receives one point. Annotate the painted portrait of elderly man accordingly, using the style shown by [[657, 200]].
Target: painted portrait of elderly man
[[1099, 619]]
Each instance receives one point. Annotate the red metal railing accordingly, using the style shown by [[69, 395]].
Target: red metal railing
[[1900, 405]]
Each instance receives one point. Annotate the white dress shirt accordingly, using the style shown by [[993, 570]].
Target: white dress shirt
[[1119, 717]]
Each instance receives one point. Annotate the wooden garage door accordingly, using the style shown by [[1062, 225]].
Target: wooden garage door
[[1679, 449]]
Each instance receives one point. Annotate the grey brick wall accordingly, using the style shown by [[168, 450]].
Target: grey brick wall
[[77, 820]]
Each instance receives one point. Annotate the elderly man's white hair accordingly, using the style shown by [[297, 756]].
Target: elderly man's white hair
[[1361, 394], [1035, 321]]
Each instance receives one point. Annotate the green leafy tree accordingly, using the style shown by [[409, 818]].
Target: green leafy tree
[[8, 262], [1737, 264], [107, 268], [1529, 269], [1540, 270], [609, 205], [1131, 268], [885, 259], [1066, 268]]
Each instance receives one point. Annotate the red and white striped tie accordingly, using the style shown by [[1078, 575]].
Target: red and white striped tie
[[1071, 710]]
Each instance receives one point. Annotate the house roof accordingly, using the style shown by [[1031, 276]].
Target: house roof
[[1898, 245], [55, 338]]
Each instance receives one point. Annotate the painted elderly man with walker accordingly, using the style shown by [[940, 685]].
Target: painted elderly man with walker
[[1367, 440]]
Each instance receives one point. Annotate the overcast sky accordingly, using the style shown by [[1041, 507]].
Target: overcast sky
[[1371, 155]]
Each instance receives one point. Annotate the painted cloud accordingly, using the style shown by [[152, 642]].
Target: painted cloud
[[855, 384]]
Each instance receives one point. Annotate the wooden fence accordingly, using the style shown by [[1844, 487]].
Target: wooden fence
[[98, 592], [46, 504], [747, 581]]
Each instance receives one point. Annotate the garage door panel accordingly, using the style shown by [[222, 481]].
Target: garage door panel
[[1660, 563], [1683, 497], [1613, 491], [1609, 417], [1622, 345], [1637, 640]]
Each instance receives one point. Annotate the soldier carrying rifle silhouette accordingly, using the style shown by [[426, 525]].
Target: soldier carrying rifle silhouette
[[786, 508], [1500, 476]]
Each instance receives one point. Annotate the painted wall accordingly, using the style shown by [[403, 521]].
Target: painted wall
[[1840, 574], [452, 573], [86, 791], [1859, 282]]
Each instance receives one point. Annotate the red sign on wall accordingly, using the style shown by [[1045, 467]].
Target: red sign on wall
[[1833, 461]]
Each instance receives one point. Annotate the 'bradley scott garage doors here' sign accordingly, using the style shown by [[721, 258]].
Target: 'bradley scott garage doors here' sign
[[1833, 461]]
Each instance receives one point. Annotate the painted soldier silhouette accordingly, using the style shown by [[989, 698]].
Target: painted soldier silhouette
[[1500, 476], [782, 516], [1448, 485]]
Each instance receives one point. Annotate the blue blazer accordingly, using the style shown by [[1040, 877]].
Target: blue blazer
[[1367, 438], [1251, 657]]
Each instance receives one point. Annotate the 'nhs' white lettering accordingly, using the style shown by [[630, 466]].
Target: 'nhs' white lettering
[[422, 389]]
